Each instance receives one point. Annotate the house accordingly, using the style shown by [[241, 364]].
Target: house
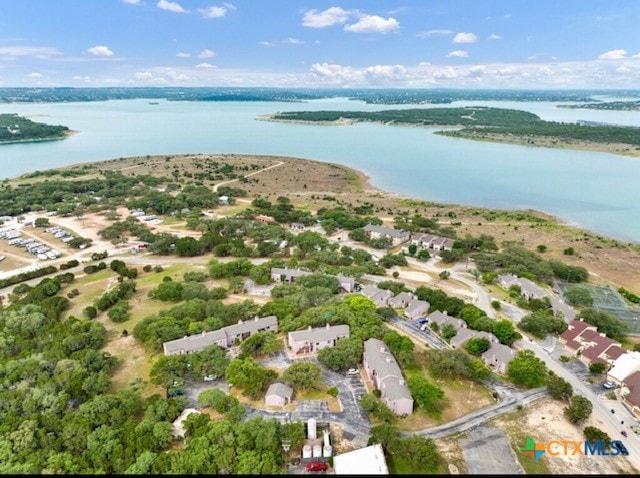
[[224, 337], [401, 300], [416, 308], [464, 335], [347, 283], [584, 340], [569, 337], [278, 395], [507, 280], [311, 340], [630, 392], [442, 244], [178, 429], [530, 290], [264, 219], [498, 357], [442, 319], [560, 309], [296, 226], [223, 200], [423, 240], [365, 461], [624, 366], [384, 372], [287, 275], [380, 297], [377, 232]]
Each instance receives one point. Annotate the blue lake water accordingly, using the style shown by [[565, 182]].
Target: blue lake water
[[597, 191]]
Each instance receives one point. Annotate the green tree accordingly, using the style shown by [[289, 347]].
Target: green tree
[[597, 368], [505, 332], [262, 343], [345, 354], [594, 434], [527, 370], [249, 375], [578, 410], [303, 375], [540, 323], [558, 387], [448, 331], [606, 323], [477, 346], [426, 394], [579, 296]]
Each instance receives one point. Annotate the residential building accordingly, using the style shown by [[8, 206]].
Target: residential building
[[416, 309], [560, 309], [287, 275], [380, 297], [365, 461], [297, 226], [224, 337], [530, 290], [223, 200], [584, 340], [347, 283], [401, 300], [569, 337], [264, 219], [630, 392], [384, 372], [377, 232], [278, 395], [464, 335], [442, 319], [311, 340], [624, 366], [498, 357], [507, 280]]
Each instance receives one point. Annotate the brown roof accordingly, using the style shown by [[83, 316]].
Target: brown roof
[[573, 345], [615, 352], [601, 344], [576, 327], [633, 384]]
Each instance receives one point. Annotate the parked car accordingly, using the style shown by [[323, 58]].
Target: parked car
[[423, 320], [316, 466], [609, 385], [353, 371]]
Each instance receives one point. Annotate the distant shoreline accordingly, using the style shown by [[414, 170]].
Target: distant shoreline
[[66, 135]]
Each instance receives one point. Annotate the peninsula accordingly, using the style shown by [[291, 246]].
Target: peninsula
[[18, 129], [487, 124]]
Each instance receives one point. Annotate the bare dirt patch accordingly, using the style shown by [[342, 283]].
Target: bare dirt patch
[[545, 421]]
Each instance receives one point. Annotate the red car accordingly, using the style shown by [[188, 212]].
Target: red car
[[316, 466]]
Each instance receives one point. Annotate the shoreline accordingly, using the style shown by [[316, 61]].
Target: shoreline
[[67, 134], [620, 149], [365, 186]]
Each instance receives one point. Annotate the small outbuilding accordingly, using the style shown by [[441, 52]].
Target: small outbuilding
[[278, 395]]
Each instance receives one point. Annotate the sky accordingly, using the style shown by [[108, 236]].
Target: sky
[[550, 44]]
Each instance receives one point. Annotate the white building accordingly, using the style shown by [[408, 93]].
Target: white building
[[365, 461]]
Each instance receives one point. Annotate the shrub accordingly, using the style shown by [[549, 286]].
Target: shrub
[[333, 391]]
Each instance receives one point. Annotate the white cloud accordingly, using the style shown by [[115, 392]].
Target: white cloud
[[183, 55], [293, 41], [458, 54], [81, 78], [35, 74], [205, 66], [493, 36], [465, 38], [36, 51], [507, 15], [170, 6], [637, 55], [132, 2], [373, 24], [613, 55], [215, 11], [144, 75], [286, 41], [433, 33], [206, 53], [330, 16], [100, 50], [267, 43]]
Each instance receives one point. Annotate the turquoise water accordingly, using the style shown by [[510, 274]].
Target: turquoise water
[[597, 191]]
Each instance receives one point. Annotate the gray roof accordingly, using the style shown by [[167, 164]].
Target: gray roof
[[373, 290], [401, 298], [343, 278], [320, 334], [464, 335], [508, 279], [417, 306], [386, 231], [378, 357], [280, 389], [500, 352], [205, 339], [568, 312], [424, 237], [289, 272], [530, 288]]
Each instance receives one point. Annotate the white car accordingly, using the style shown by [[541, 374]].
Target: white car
[[353, 371]]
